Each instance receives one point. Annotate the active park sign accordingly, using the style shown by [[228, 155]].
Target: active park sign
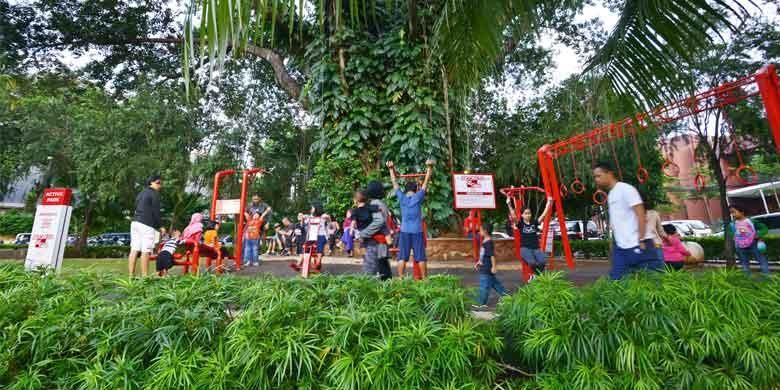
[[474, 191], [50, 230]]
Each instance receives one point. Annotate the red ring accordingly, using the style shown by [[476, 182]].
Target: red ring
[[667, 165], [753, 175], [599, 197], [577, 187], [642, 175], [700, 182], [564, 191]]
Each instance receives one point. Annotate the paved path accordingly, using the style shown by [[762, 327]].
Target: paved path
[[509, 273]]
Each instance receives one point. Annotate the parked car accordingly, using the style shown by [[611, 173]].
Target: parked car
[[93, 241], [22, 239], [226, 240], [684, 229], [772, 221], [111, 239], [699, 228], [72, 240], [578, 230], [500, 236]]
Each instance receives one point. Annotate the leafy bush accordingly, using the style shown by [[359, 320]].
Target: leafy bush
[[13, 222], [679, 330], [95, 331]]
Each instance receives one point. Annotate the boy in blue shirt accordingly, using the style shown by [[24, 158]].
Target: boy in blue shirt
[[487, 268], [411, 237]]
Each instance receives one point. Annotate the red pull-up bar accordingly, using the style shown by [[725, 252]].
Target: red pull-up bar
[[764, 83]]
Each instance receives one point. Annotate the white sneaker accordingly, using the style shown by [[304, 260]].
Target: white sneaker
[[479, 307]]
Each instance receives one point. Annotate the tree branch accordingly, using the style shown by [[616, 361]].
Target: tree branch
[[282, 76]]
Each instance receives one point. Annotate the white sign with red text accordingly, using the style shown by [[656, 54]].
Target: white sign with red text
[[50, 230], [474, 191]]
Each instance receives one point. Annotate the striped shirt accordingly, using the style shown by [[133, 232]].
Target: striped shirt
[[170, 245]]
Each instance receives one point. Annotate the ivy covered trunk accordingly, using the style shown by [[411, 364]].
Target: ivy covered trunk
[[378, 96]]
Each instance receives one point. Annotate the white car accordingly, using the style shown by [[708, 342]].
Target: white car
[[684, 229], [699, 228]]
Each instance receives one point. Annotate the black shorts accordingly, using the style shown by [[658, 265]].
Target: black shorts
[[164, 261]]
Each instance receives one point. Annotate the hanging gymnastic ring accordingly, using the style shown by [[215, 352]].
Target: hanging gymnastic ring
[[564, 191], [599, 197], [700, 182], [669, 164], [751, 174], [577, 187], [642, 175]]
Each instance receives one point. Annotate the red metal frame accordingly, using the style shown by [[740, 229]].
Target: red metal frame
[[517, 196], [765, 84], [246, 175]]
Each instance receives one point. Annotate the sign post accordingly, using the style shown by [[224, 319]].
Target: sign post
[[474, 192], [50, 230]]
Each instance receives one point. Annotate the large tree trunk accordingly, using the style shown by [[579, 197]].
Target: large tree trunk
[[82, 243], [728, 247]]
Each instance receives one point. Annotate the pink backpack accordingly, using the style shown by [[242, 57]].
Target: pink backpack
[[744, 233]]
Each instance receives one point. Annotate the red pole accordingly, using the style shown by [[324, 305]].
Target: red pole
[[769, 87], [545, 158], [475, 234]]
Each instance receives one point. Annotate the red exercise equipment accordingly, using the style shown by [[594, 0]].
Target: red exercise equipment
[[232, 207], [765, 84], [577, 187]]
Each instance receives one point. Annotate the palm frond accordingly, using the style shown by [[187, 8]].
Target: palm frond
[[644, 53]]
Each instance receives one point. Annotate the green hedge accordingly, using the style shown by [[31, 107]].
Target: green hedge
[[101, 332], [713, 247], [13, 222], [677, 330]]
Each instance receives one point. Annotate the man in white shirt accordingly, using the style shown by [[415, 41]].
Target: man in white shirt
[[627, 220]]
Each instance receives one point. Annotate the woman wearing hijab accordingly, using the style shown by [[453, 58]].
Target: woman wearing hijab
[[194, 230]]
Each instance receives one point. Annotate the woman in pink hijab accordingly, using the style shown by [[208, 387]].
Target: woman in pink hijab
[[194, 230]]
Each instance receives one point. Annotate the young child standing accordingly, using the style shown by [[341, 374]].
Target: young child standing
[[316, 236], [165, 257], [674, 250], [746, 240], [251, 246], [411, 238], [487, 267]]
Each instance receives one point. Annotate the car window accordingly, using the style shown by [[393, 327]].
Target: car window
[[771, 221], [697, 225]]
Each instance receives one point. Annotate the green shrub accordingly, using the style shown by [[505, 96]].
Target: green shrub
[[679, 330], [13, 222], [94, 331]]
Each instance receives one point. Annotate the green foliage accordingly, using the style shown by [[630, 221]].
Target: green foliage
[[385, 104], [95, 331], [14, 222], [711, 330], [333, 183]]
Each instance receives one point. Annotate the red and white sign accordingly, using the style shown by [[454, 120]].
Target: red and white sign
[[56, 196], [50, 230], [474, 191]]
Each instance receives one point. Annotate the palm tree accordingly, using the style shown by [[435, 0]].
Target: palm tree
[[640, 59]]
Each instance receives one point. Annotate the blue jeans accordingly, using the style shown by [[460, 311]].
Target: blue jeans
[[744, 258], [627, 260], [486, 282], [250, 251]]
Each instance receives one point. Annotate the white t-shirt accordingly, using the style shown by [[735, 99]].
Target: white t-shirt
[[625, 227]]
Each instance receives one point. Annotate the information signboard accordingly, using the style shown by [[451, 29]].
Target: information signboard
[[50, 230], [474, 191]]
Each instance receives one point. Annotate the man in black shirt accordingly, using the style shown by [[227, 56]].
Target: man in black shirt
[[146, 223]]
